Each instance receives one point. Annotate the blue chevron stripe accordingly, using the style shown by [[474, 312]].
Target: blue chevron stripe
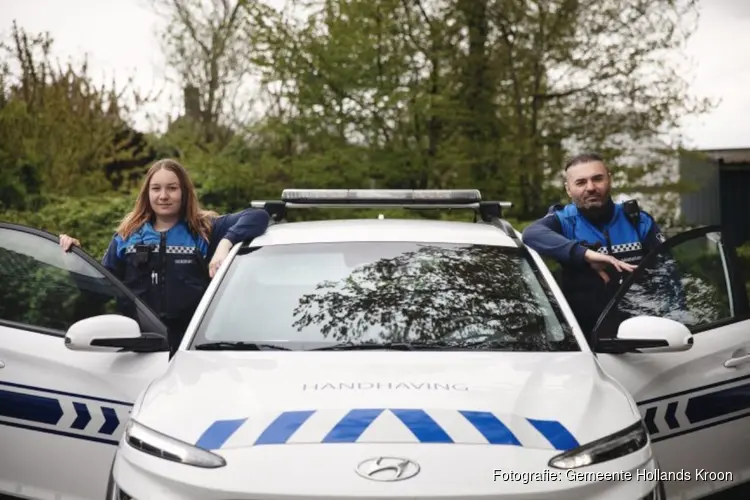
[[351, 426], [422, 426], [64, 393], [491, 428], [217, 434], [83, 416], [716, 404], [111, 422], [283, 427], [44, 413], [703, 411], [31, 408], [556, 434]]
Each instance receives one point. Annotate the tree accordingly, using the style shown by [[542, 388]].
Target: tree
[[491, 93], [209, 44], [606, 76], [67, 150], [59, 133]]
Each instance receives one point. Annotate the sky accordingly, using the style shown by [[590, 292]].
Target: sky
[[120, 40]]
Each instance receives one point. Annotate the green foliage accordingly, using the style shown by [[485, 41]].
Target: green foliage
[[357, 94], [459, 93], [58, 131]]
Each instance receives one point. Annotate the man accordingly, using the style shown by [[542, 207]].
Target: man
[[593, 238]]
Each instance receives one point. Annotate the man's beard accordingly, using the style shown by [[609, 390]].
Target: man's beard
[[599, 210]]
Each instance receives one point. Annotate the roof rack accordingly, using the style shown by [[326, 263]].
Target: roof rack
[[411, 199]]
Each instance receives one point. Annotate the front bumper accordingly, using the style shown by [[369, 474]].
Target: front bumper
[[304, 472]]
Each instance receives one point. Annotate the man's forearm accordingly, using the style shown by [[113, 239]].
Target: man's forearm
[[545, 237]]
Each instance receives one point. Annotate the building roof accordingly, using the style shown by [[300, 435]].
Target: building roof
[[728, 156]]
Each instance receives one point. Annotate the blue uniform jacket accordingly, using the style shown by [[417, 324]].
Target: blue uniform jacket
[[169, 270], [565, 234]]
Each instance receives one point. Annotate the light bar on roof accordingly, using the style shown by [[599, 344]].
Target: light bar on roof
[[382, 196]]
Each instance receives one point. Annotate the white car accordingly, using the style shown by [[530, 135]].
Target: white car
[[375, 358]]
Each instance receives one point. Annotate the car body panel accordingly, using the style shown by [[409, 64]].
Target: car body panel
[[591, 395], [452, 472], [426, 231], [56, 403], [689, 402], [537, 400], [692, 400]]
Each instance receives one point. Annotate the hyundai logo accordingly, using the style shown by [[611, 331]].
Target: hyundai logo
[[387, 469]]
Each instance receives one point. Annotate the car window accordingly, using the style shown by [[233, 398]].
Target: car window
[[687, 282], [46, 289], [310, 294], [743, 255]]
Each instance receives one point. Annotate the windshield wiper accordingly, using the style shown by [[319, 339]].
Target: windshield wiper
[[396, 346], [489, 345], [410, 346], [238, 346]]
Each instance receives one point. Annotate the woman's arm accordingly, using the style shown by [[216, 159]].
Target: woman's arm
[[112, 260], [230, 229]]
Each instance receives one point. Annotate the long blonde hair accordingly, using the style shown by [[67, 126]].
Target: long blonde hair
[[198, 220]]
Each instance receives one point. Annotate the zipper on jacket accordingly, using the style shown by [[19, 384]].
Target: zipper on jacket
[[161, 280]]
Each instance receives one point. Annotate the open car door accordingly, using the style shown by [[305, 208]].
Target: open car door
[[677, 337], [62, 411]]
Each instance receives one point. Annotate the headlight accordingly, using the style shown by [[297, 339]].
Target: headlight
[[619, 444], [159, 445]]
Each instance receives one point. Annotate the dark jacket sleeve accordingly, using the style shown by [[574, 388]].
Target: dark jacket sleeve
[[239, 226], [116, 265], [112, 262], [545, 236]]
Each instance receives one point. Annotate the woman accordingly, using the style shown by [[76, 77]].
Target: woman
[[160, 248]]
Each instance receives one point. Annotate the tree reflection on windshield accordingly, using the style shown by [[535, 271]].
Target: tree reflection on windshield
[[456, 294], [685, 283]]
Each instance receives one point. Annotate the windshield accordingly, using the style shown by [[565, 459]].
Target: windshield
[[306, 296]]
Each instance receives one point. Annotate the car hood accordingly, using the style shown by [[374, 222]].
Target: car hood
[[230, 400]]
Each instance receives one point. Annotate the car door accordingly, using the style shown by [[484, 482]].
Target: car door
[[62, 412], [694, 403]]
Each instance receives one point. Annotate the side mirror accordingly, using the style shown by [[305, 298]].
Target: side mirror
[[112, 333], [653, 334], [648, 334]]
